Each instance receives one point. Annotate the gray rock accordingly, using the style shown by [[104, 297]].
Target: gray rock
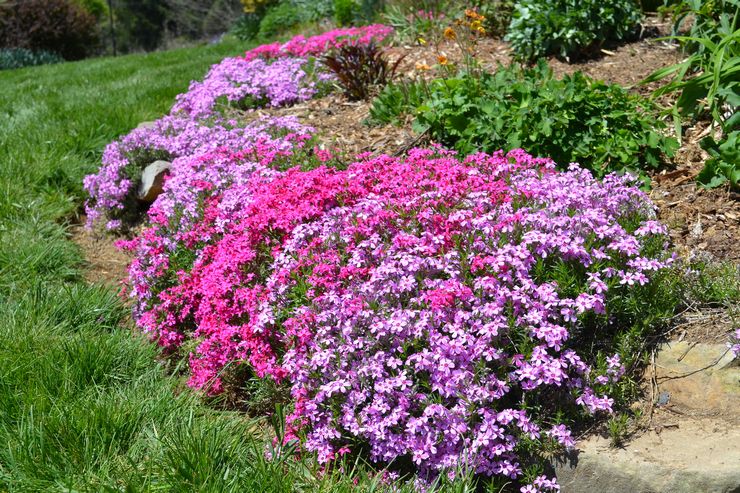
[[692, 458], [693, 444], [152, 180], [146, 125]]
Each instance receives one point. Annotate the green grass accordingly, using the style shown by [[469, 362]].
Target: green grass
[[84, 405]]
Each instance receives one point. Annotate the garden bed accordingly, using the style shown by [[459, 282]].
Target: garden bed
[[701, 224]]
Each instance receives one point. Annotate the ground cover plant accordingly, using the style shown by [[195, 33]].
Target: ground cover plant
[[206, 283], [84, 405], [269, 75]]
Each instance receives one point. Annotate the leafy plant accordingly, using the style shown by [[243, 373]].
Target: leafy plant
[[498, 15], [707, 80], [395, 100], [724, 164], [345, 12], [247, 26], [412, 23], [314, 10], [278, 19], [359, 67], [21, 57], [617, 427], [708, 83], [576, 119], [569, 28], [707, 17]]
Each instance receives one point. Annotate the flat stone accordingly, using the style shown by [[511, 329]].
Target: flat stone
[[700, 377], [152, 180], [693, 444], [696, 456]]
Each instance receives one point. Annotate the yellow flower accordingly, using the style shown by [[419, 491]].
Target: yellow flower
[[442, 60], [450, 33]]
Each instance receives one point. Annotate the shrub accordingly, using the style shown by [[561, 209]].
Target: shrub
[[314, 10], [345, 12], [98, 8], [574, 119], [569, 28], [246, 27], [20, 57], [278, 19], [58, 26], [359, 68]]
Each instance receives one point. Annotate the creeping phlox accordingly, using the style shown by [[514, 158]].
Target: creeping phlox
[[411, 303], [111, 189], [300, 46], [270, 75], [253, 84], [429, 307]]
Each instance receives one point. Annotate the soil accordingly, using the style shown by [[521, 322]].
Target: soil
[[104, 262]]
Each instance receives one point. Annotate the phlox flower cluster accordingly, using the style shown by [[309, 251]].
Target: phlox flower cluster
[[171, 137], [735, 343], [427, 308], [300, 46], [412, 304], [197, 123], [421, 317], [252, 84]]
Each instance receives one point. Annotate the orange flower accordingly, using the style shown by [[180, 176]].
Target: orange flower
[[422, 66], [472, 14], [450, 33], [442, 60]]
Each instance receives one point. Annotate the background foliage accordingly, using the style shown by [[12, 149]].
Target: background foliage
[[569, 28]]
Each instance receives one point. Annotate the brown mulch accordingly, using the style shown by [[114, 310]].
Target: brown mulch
[[340, 126], [700, 220]]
